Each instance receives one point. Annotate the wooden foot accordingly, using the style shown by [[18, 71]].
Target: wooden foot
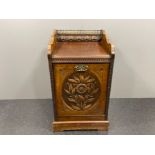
[[59, 126]]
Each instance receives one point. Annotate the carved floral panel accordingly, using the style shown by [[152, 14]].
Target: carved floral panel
[[81, 90]]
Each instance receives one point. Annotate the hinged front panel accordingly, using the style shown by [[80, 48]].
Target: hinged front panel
[[80, 89]]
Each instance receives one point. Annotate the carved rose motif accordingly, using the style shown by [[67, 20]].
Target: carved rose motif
[[81, 90]]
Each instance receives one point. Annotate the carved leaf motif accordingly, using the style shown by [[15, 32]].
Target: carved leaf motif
[[70, 87], [73, 90], [87, 106], [87, 77], [81, 97], [72, 100], [77, 79], [91, 80], [67, 91], [72, 80], [90, 99]]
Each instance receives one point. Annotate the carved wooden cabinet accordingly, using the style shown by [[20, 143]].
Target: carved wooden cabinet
[[81, 64]]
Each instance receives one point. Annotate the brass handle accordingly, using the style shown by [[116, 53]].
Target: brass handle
[[81, 68]]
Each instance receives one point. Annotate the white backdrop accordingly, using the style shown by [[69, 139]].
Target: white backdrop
[[23, 61]]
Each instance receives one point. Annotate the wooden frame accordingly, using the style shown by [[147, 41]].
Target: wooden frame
[[80, 36]]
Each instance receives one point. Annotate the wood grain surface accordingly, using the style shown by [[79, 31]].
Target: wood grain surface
[[81, 64]]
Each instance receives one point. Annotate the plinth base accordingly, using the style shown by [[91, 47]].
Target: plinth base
[[59, 126]]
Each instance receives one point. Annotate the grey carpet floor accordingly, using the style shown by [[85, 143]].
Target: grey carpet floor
[[33, 117]]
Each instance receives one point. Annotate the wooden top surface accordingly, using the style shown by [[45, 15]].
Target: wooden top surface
[[79, 50]]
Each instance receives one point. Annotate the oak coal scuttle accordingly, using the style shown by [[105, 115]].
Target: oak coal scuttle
[[81, 65]]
